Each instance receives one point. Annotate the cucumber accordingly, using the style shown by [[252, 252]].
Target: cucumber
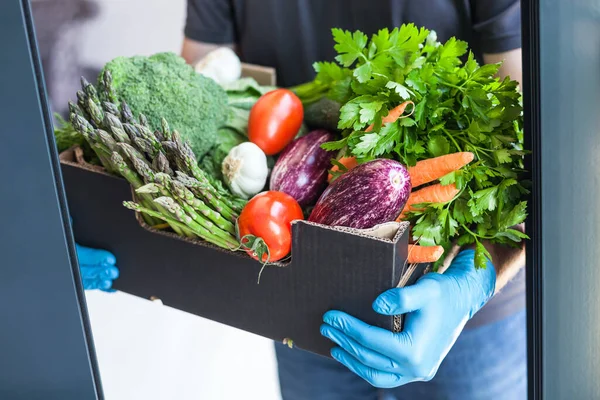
[[322, 114]]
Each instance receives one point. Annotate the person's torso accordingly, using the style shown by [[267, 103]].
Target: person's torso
[[291, 35]]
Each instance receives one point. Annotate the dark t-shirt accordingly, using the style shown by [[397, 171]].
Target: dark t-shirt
[[290, 35]]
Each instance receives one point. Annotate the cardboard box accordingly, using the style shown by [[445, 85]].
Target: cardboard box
[[330, 268], [264, 76]]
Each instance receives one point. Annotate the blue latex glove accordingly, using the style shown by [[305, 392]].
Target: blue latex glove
[[437, 307], [98, 269]]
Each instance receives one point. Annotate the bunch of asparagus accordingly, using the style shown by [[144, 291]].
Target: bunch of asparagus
[[171, 189]]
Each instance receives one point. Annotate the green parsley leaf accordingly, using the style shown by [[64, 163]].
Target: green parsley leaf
[[366, 144], [414, 80], [363, 73], [502, 156], [515, 216], [329, 72], [349, 46], [513, 234], [451, 51], [471, 65], [369, 110], [404, 92], [438, 146], [482, 256], [486, 199], [428, 231], [333, 146], [408, 122]]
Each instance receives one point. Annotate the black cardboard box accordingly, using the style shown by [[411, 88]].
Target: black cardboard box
[[331, 268]]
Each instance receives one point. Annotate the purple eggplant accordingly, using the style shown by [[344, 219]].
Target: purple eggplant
[[367, 195], [301, 169]]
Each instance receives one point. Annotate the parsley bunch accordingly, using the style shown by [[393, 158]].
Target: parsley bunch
[[459, 106]]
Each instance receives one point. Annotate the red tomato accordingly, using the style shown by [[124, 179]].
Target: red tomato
[[268, 216], [274, 120]]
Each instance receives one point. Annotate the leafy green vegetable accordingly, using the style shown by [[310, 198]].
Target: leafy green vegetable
[[227, 139], [242, 95], [459, 106], [163, 85], [66, 137]]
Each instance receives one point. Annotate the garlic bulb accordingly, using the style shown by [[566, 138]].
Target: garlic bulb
[[222, 65], [245, 170]]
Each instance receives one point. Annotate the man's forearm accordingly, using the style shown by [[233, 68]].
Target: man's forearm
[[193, 51], [511, 64], [507, 261]]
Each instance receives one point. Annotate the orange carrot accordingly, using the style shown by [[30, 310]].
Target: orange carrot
[[437, 193], [394, 114], [426, 171], [424, 254], [348, 162]]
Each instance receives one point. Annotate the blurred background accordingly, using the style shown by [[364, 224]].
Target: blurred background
[[145, 350]]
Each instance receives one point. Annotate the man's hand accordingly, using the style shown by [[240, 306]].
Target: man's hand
[[98, 269], [437, 308]]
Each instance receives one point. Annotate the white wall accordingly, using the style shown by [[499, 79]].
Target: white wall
[[129, 27], [146, 350]]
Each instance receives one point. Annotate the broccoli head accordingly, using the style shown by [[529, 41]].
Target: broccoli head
[[163, 85]]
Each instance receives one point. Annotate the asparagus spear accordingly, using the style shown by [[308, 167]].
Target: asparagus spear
[[205, 191], [82, 101], [115, 126], [126, 114], [132, 153], [95, 112], [147, 134], [229, 238], [145, 198], [109, 91], [159, 136], [131, 131], [106, 140], [141, 166], [111, 108], [139, 162], [185, 195], [144, 146], [162, 188], [81, 125], [161, 164], [134, 181], [165, 129], [179, 214], [125, 171], [176, 225], [75, 109], [90, 91], [143, 120], [184, 147]]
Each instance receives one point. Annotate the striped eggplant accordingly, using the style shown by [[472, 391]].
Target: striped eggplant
[[367, 195], [301, 169]]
